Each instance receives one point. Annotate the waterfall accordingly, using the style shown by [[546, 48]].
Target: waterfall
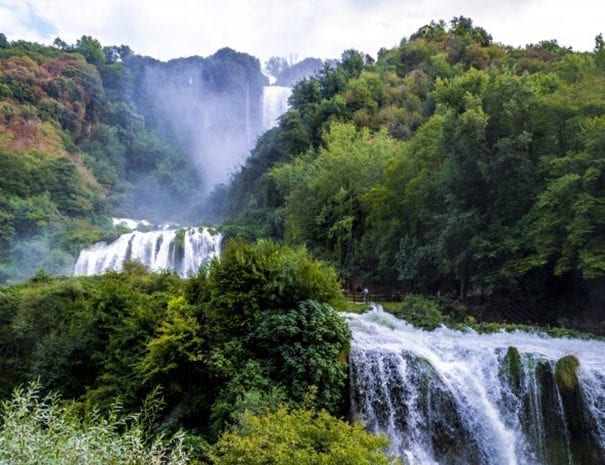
[[275, 103], [461, 398], [183, 250]]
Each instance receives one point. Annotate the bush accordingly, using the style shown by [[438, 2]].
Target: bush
[[305, 347], [418, 310], [264, 276], [37, 430], [299, 437]]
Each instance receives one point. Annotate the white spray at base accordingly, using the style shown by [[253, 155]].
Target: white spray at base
[[183, 250], [461, 398]]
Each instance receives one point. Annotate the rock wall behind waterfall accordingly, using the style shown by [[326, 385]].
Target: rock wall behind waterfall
[[211, 108], [452, 398]]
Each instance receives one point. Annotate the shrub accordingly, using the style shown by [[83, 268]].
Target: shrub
[[38, 430], [418, 310], [299, 437]]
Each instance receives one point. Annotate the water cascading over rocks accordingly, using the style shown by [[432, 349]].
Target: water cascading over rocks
[[460, 398], [183, 250]]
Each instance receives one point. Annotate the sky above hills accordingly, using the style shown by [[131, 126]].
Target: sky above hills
[[301, 28]]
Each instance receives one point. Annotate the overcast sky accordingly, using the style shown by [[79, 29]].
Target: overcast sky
[[168, 29]]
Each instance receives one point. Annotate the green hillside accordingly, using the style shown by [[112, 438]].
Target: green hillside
[[74, 149], [451, 165]]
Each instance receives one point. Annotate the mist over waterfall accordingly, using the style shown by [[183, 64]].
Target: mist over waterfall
[[209, 108], [460, 398], [183, 250], [275, 103]]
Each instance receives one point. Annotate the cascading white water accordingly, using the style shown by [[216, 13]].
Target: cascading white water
[[183, 250], [460, 398], [275, 103]]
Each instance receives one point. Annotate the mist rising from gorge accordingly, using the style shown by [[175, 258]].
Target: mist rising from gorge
[[209, 108]]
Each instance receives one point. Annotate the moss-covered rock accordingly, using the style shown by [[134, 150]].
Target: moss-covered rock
[[512, 369], [566, 373]]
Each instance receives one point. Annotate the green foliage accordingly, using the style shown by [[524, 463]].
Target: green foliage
[[324, 192], [303, 347], [418, 310], [176, 342], [91, 49], [37, 429], [72, 148], [496, 194], [83, 337], [299, 436], [259, 277], [567, 219]]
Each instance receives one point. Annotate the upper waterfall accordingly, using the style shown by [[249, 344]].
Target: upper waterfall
[[275, 103], [183, 250], [461, 398]]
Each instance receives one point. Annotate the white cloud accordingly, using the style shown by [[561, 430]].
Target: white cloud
[[303, 27]]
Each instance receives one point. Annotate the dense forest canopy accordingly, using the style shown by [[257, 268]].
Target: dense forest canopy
[[450, 165]]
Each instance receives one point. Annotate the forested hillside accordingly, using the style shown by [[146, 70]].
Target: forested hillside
[[88, 131], [451, 165]]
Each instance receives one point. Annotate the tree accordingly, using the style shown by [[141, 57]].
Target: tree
[[91, 49], [599, 51], [324, 192], [304, 347], [60, 44], [568, 218], [41, 429], [277, 65]]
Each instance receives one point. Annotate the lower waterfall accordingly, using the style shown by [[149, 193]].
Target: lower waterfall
[[182, 250], [447, 397]]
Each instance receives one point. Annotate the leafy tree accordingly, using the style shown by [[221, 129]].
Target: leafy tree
[[323, 192], [567, 220], [304, 347], [251, 278], [91, 49], [277, 65]]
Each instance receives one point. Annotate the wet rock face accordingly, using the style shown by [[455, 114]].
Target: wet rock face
[[210, 108]]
